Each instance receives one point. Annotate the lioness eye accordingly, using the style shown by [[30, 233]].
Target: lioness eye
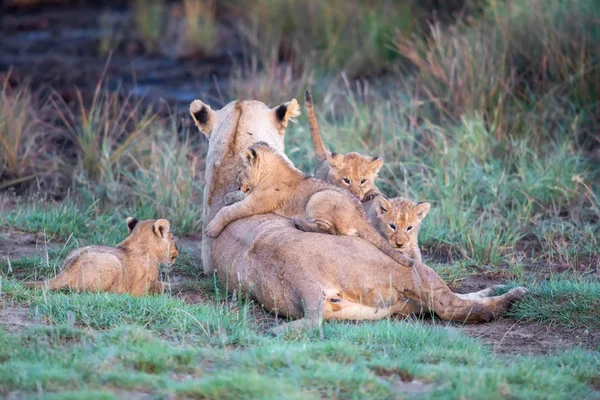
[[393, 227], [363, 181], [346, 181], [409, 228]]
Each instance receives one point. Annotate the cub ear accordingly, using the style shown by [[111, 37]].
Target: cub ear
[[203, 116], [248, 156], [335, 160], [382, 205], [376, 164], [284, 113], [131, 223], [161, 227], [422, 209]]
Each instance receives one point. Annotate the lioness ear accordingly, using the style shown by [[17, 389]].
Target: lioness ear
[[284, 113], [382, 205], [131, 223], [203, 116], [161, 227], [376, 164], [248, 156], [422, 209], [335, 160]]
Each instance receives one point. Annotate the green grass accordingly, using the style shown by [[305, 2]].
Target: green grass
[[354, 361], [108, 345], [567, 300]]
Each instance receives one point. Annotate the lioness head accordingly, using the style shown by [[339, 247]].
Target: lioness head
[[156, 235], [354, 172], [209, 121], [399, 220]]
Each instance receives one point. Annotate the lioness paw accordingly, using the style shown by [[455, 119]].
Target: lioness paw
[[517, 293]]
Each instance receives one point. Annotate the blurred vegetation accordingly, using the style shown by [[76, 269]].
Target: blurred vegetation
[[487, 109]]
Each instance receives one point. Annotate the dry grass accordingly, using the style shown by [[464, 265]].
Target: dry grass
[[25, 138]]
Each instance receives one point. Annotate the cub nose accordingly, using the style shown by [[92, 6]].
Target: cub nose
[[399, 244]]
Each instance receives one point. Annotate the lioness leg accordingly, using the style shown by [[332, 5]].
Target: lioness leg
[[430, 290], [313, 306], [487, 292]]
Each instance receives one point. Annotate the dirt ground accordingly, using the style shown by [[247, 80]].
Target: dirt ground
[[506, 336]]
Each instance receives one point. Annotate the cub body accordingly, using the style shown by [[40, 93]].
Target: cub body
[[130, 267], [274, 185], [353, 172], [399, 221]]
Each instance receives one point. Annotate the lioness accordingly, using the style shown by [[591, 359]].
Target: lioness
[[130, 267], [398, 220], [274, 185], [305, 275], [353, 172]]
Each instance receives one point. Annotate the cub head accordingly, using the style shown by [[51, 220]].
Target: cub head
[[354, 172], [156, 235], [399, 220], [258, 161]]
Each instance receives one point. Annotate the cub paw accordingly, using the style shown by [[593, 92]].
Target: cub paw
[[234, 197], [213, 230]]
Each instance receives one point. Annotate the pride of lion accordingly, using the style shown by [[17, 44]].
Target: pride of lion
[[328, 247]]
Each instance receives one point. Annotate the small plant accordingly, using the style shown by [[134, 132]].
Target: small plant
[[25, 139], [149, 19], [182, 29], [200, 32], [104, 133]]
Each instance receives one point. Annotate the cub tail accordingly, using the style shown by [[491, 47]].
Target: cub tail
[[320, 150]]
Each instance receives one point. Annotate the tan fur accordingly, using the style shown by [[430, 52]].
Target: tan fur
[[130, 267], [399, 221], [306, 275], [274, 185], [353, 172]]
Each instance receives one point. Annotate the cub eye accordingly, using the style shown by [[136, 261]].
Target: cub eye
[[346, 181], [363, 181], [409, 228], [393, 227]]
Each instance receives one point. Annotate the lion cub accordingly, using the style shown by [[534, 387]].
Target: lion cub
[[131, 267], [398, 220], [353, 171], [273, 185]]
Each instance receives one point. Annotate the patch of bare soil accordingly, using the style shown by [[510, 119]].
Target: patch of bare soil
[[510, 337], [16, 319], [15, 244], [403, 382]]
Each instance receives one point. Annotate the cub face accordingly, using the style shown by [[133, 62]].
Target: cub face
[[354, 172], [157, 235], [399, 220], [258, 161]]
